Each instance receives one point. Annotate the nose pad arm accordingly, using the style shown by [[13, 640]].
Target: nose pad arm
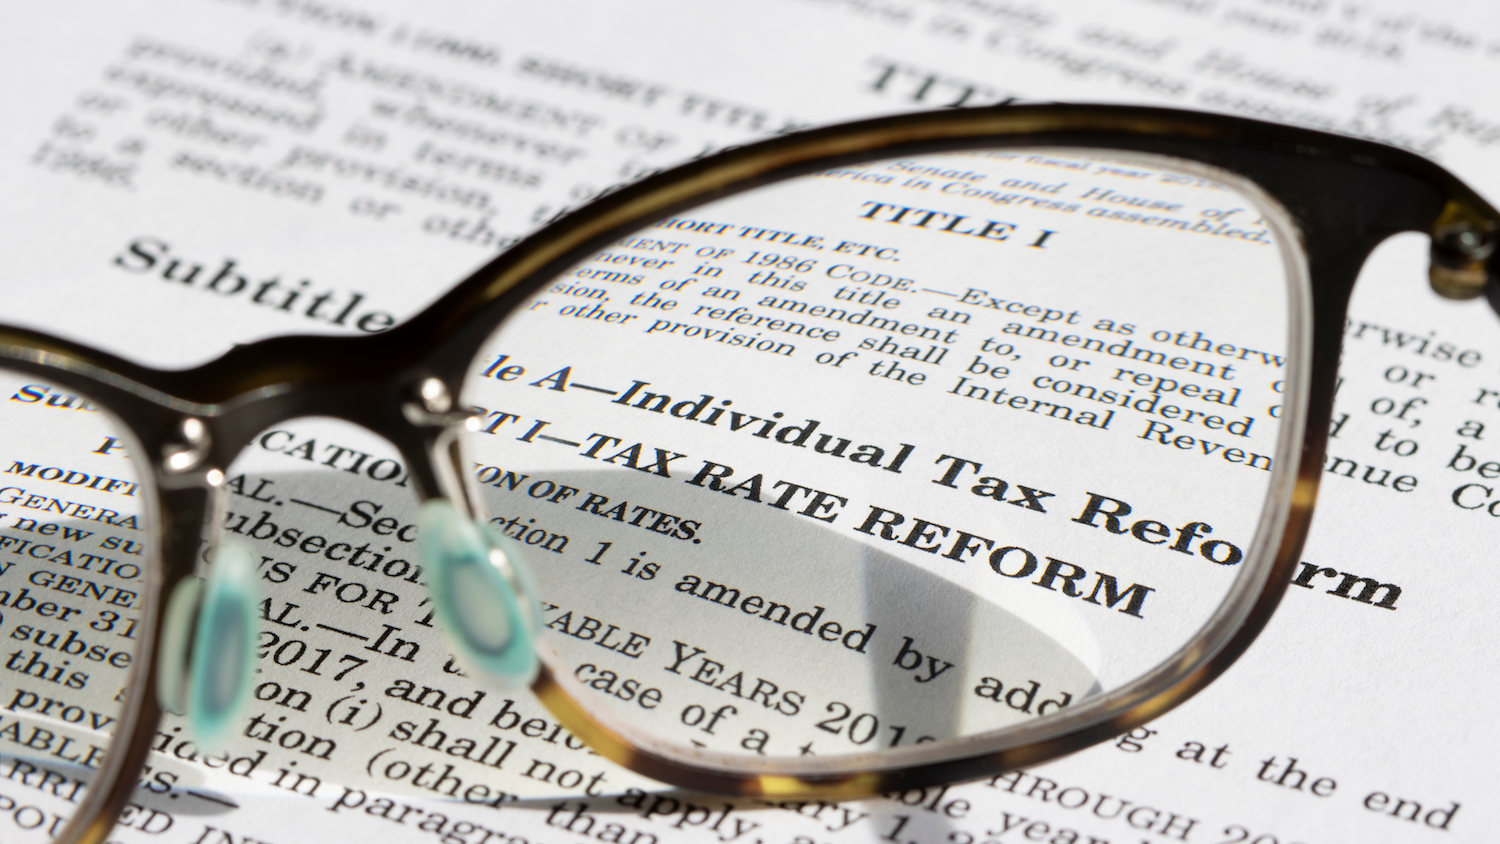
[[208, 647], [481, 593]]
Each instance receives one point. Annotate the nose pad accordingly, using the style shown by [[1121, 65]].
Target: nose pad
[[481, 593], [208, 647]]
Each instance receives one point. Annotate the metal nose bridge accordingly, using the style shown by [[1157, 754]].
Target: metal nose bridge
[[432, 407]]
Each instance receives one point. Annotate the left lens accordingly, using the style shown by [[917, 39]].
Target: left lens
[[903, 452], [73, 552]]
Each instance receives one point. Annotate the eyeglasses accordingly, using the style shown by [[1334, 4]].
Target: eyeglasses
[[872, 457]]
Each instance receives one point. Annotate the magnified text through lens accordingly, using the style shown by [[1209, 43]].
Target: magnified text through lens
[[73, 558], [893, 453]]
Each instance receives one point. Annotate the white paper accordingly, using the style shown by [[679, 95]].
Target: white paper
[[347, 170]]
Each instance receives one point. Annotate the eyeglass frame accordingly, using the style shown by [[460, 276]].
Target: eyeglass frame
[[1345, 195]]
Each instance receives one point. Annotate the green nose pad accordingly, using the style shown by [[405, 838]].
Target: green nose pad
[[481, 593], [217, 621]]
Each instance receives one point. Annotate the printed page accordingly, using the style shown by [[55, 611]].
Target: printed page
[[734, 551]]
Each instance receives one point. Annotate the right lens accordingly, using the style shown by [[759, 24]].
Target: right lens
[[900, 452], [74, 545]]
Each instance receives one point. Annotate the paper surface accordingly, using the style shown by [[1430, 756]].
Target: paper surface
[[332, 168]]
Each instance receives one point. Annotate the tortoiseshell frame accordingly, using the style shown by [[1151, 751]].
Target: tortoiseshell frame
[[1345, 195]]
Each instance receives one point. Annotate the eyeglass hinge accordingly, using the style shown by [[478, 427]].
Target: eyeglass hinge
[[1462, 245]]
